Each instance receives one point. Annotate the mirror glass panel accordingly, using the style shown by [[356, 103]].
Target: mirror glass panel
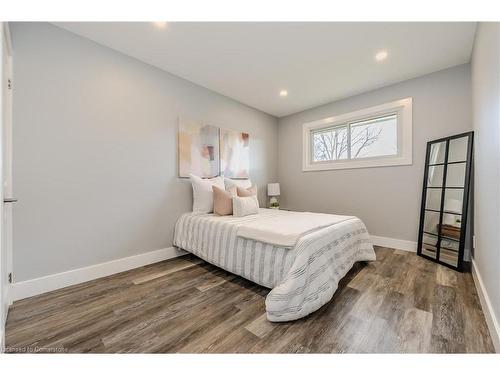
[[437, 153], [433, 199], [455, 175], [458, 149], [453, 199], [451, 226], [429, 245], [449, 251], [435, 176], [431, 222]]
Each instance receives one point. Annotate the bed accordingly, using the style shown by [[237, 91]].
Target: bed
[[302, 278]]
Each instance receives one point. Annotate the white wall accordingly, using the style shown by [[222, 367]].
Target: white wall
[[387, 199], [486, 120], [95, 167]]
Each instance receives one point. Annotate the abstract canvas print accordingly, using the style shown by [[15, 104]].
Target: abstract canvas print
[[198, 149], [234, 154]]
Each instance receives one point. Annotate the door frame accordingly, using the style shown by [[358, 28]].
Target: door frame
[[5, 166]]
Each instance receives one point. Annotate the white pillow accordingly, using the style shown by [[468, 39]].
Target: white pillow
[[244, 184], [243, 206], [203, 198]]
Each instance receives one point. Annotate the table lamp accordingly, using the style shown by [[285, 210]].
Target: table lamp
[[273, 191]]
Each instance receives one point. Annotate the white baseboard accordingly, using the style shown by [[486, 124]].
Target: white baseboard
[[394, 243], [489, 312], [29, 288]]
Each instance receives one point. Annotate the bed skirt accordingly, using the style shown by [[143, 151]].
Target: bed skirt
[[302, 279]]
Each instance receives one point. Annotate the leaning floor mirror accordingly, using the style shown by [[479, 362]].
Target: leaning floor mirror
[[445, 200]]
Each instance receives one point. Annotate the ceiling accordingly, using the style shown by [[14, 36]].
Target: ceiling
[[315, 62]]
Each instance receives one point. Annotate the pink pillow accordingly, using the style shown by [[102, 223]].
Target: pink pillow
[[223, 200], [246, 192]]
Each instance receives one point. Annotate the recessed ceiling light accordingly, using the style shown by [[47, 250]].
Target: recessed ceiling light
[[381, 55], [160, 25], [283, 93]]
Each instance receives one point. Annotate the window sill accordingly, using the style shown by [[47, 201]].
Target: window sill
[[351, 164]]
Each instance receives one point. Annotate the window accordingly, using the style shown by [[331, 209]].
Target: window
[[330, 144], [373, 137]]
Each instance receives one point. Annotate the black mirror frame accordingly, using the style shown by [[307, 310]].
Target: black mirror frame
[[465, 200]]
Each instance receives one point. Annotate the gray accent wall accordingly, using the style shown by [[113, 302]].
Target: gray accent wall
[[486, 120], [95, 167], [387, 199]]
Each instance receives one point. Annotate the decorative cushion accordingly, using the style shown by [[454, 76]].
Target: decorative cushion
[[245, 184], [203, 197], [243, 206], [223, 200], [246, 192]]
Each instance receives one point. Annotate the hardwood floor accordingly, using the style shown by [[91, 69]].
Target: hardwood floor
[[400, 303]]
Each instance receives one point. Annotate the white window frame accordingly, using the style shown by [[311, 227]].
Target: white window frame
[[402, 108]]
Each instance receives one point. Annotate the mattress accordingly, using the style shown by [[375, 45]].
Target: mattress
[[302, 278]]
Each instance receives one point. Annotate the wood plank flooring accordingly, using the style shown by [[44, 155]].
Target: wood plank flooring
[[401, 303]]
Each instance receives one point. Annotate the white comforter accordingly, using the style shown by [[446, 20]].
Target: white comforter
[[302, 278], [287, 228]]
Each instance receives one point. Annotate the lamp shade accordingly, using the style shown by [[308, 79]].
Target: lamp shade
[[273, 189]]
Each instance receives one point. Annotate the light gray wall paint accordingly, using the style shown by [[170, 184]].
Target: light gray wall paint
[[486, 120], [95, 165], [387, 199]]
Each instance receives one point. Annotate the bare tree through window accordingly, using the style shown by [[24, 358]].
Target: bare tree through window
[[333, 143], [330, 144], [361, 139]]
